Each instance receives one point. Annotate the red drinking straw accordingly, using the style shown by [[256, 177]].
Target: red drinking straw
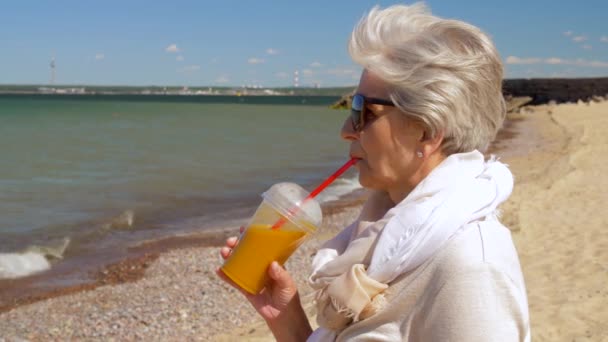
[[320, 188]]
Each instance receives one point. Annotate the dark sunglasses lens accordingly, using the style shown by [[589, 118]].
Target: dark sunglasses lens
[[355, 110]]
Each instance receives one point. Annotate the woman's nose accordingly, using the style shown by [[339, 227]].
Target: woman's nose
[[348, 131]]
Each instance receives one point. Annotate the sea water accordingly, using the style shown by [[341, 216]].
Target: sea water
[[98, 170]]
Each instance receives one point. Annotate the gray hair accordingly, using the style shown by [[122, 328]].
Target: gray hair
[[446, 74]]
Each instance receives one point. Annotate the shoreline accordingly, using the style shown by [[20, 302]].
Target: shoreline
[[181, 282], [129, 268]]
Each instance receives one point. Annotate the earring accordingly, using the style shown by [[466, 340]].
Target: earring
[[419, 154]]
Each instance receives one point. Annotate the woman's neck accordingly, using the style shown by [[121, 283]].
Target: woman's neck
[[400, 192]]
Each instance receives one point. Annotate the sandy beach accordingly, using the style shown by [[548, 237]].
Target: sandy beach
[[558, 156]]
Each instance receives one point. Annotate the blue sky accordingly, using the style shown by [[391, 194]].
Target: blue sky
[[235, 43]]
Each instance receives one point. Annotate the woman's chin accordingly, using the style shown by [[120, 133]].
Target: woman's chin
[[366, 178], [367, 182]]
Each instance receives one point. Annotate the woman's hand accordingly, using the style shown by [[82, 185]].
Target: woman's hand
[[278, 303]]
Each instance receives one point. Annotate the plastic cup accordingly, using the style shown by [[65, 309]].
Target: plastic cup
[[260, 244]]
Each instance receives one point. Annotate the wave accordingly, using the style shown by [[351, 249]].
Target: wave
[[339, 188], [39, 258], [122, 221], [33, 259]]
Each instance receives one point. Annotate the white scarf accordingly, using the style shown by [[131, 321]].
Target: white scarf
[[351, 271]]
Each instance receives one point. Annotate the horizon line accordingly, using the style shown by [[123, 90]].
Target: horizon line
[[240, 86]]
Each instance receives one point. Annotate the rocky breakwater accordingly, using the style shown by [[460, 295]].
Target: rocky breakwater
[[560, 90]]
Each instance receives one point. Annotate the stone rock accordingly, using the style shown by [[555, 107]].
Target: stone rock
[[543, 90]]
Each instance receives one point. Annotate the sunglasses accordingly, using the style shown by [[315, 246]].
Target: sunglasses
[[358, 109]]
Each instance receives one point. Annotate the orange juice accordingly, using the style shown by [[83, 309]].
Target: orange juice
[[259, 246]]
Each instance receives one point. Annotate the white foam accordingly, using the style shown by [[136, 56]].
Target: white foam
[[32, 260], [15, 265], [339, 188]]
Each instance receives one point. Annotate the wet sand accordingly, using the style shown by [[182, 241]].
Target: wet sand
[[558, 156]]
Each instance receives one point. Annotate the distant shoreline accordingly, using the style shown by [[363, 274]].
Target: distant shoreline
[[249, 99], [170, 91], [540, 90]]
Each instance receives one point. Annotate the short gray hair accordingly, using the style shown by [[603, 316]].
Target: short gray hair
[[446, 74]]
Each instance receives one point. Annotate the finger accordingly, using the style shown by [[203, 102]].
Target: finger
[[281, 277], [225, 252], [232, 241]]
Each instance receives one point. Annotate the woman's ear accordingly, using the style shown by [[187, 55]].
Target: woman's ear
[[423, 138], [431, 143]]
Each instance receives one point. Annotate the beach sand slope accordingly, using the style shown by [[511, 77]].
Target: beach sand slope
[[559, 210]]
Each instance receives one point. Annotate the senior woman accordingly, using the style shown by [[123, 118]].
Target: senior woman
[[427, 259]]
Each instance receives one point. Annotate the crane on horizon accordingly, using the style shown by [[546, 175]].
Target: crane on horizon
[[52, 65]]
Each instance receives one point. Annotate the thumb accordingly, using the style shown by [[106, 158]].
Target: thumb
[[280, 276]]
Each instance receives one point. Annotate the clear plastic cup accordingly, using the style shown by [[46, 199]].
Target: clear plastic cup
[[265, 241]]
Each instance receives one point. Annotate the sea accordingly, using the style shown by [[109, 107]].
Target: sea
[[83, 177]]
